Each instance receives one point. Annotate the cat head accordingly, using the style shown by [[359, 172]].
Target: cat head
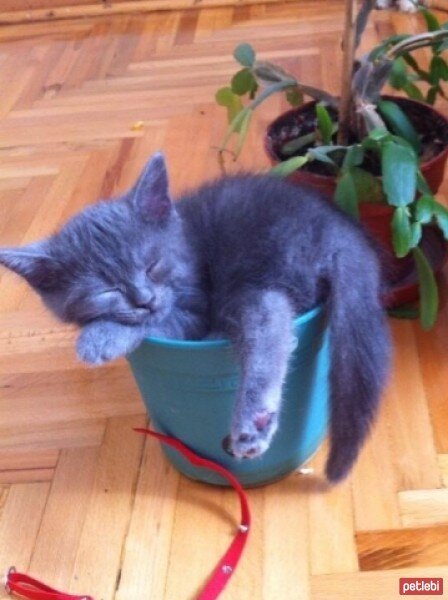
[[124, 260]]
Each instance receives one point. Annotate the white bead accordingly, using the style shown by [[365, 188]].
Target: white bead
[[306, 471]]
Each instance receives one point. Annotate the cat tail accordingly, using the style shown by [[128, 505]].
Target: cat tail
[[360, 357]]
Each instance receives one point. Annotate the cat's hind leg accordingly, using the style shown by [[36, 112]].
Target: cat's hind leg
[[384, 3], [263, 337], [408, 5]]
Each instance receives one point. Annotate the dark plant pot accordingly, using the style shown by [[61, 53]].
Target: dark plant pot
[[400, 273]]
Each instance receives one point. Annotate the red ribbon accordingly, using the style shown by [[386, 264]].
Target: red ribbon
[[27, 587], [32, 589]]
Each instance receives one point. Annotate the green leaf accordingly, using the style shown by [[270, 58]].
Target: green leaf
[[401, 232], [324, 123], [438, 70], [243, 129], [331, 148], [398, 75], [432, 22], [235, 125], [424, 209], [345, 195], [321, 155], [267, 73], [399, 170], [441, 213], [244, 54], [225, 97], [414, 77], [431, 95], [410, 60], [400, 141], [294, 96], [422, 184], [243, 82], [413, 91], [368, 187], [416, 234], [289, 166], [429, 297], [299, 143], [443, 46], [442, 222], [399, 122], [382, 48], [379, 134], [353, 157]]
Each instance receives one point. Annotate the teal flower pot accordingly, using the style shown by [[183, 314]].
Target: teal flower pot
[[189, 390]]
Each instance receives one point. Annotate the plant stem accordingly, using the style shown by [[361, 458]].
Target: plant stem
[[417, 41], [362, 19], [349, 43], [239, 119]]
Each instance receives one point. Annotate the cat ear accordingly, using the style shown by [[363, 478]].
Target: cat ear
[[151, 194], [34, 264]]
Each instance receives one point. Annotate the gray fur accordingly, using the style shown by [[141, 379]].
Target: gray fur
[[240, 256]]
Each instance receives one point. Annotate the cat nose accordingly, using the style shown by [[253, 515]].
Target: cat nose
[[145, 300]]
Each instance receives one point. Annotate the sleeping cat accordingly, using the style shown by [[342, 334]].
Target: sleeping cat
[[241, 256]]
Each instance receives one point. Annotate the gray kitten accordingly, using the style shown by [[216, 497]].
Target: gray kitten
[[241, 256]]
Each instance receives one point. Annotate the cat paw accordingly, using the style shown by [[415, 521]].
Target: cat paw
[[253, 438], [97, 347], [408, 6]]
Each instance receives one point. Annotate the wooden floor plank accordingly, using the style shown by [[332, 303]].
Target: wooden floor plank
[[435, 372], [423, 507], [19, 524], [371, 585], [25, 475], [412, 439], [443, 465], [10, 460], [375, 500], [331, 537], [148, 542], [106, 521], [68, 502], [4, 490], [57, 434], [419, 547], [286, 535]]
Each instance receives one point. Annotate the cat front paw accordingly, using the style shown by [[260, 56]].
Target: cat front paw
[[252, 438], [98, 345]]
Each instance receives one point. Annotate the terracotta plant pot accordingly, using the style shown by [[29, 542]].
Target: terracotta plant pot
[[399, 273]]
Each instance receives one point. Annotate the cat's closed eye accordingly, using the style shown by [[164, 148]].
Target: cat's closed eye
[[110, 293]]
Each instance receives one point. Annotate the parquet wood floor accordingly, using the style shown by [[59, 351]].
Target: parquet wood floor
[[85, 503]]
